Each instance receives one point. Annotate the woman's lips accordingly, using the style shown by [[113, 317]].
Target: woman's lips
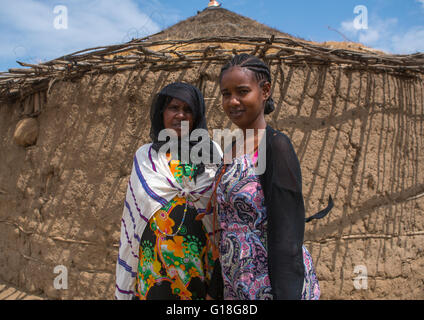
[[237, 113], [178, 126]]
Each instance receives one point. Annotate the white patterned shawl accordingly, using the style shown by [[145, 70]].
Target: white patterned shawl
[[152, 186]]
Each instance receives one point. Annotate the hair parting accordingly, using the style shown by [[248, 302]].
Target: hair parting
[[258, 67]]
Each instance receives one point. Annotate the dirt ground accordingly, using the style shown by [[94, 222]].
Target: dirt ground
[[9, 292]]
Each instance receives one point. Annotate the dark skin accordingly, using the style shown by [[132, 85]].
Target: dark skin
[[175, 112], [243, 100]]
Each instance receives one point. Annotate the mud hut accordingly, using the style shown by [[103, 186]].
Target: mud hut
[[69, 128]]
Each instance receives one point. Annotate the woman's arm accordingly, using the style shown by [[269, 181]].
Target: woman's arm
[[286, 220]]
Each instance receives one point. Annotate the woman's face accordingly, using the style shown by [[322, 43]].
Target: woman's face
[[175, 112], [243, 99]]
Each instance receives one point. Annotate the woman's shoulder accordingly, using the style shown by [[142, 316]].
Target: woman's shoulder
[[277, 139], [284, 161], [144, 149]]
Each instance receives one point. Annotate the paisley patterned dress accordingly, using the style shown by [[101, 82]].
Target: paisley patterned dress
[[243, 247], [174, 267]]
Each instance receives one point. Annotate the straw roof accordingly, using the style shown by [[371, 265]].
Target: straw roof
[[216, 22], [185, 45]]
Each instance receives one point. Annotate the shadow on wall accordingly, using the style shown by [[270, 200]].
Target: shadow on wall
[[359, 138]]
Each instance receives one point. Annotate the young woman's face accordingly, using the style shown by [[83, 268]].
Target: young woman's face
[[175, 112], [243, 99]]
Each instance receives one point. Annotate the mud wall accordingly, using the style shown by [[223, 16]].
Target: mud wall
[[359, 138]]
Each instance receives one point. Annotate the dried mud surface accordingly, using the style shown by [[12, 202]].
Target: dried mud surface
[[359, 137]]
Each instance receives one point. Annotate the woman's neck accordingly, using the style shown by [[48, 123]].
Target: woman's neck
[[254, 127], [252, 136], [259, 123]]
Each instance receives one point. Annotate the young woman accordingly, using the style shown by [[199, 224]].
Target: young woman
[[165, 247], [262, 218]]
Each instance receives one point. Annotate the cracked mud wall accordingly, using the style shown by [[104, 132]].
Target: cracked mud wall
[[358, 135]]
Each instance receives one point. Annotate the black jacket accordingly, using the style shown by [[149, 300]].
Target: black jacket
[[282, 186]]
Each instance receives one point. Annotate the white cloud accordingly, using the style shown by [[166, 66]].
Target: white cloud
[[422, 2], [409, 42], [28, 32], [347, 26], [386, 35]]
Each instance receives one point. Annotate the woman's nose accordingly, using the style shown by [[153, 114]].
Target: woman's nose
[[234, 101], [180, 114]]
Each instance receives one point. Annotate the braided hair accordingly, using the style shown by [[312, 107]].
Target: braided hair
[[259, 69]]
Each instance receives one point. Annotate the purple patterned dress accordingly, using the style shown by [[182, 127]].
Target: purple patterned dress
[[243, 246]]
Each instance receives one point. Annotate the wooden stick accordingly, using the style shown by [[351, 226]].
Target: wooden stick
[[21, 71], [110, 59]]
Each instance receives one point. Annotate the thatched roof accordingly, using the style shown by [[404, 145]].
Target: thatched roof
[[198, 40], [217, 22], [220, 22]]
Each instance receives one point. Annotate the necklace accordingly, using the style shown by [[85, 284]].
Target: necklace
[[179, 228]]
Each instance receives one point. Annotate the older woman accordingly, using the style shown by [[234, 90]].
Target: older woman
[[166, 249]]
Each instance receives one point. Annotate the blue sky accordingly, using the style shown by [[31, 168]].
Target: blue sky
[[35, 31]]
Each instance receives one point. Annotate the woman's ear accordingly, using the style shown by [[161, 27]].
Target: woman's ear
[[266, 90]]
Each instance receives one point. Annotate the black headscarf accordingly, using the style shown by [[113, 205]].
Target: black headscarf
[[194, 98]]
